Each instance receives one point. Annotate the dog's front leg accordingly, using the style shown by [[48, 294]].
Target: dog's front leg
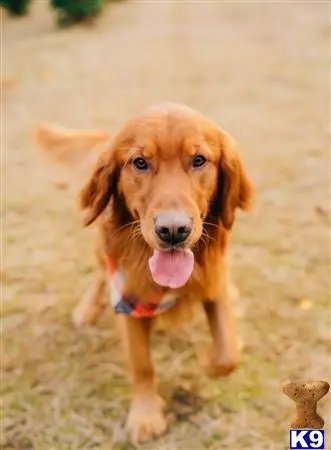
[[224, 357], [146, 417]]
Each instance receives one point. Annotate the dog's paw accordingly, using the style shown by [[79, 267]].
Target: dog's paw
[[86, 313], [221, 369], [146, 419], [215, 367]]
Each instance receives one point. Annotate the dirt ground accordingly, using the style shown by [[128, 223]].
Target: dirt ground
[[261, 70]]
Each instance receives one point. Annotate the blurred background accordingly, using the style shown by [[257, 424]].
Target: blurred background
[[261, 71]]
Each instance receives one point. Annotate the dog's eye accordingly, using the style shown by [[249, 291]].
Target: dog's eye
[[198, 161], [140, 164]]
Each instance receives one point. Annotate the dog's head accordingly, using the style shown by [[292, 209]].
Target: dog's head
[[174, 173], [174, 170]]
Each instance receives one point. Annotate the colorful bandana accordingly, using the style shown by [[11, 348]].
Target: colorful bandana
[[129, 304]]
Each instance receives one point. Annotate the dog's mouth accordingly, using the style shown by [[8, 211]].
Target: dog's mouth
[[171, 268]]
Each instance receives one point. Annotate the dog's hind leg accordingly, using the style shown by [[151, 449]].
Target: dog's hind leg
[[93, 302], [220, 316]]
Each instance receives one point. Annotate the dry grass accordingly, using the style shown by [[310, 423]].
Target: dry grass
[[261, 71]]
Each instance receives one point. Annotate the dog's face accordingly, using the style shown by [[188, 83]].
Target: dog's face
[[175, 171], [168, 177]]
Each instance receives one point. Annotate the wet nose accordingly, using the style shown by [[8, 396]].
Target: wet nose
[[172, 227]]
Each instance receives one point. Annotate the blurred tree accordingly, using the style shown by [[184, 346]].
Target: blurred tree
[[76, 10], [16, 7], [69, 11]]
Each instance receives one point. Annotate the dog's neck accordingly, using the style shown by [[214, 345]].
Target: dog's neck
[[126, 301]]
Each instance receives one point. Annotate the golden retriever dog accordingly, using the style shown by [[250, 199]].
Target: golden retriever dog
[[163, 192]]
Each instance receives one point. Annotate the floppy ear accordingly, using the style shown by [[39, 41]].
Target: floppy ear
[[102, 185], [235, 189]]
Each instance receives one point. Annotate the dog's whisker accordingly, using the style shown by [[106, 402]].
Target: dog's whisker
[[211, 224], [208, 236], [135, 232], [203, 240], [130, 224]]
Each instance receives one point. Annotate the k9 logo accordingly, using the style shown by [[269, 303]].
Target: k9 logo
[[308, 439]]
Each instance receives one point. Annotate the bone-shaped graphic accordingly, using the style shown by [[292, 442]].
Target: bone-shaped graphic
[[306, 396]]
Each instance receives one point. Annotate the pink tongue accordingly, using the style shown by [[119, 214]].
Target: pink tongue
[[171, 269]]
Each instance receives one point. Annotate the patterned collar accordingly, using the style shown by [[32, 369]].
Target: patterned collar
[[125, 303]]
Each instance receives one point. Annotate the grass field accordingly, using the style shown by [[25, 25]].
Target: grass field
[[261, 70]]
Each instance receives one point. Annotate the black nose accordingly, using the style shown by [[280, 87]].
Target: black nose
[[172, 227]]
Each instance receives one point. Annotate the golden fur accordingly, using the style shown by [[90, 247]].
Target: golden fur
[[123, 202]]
